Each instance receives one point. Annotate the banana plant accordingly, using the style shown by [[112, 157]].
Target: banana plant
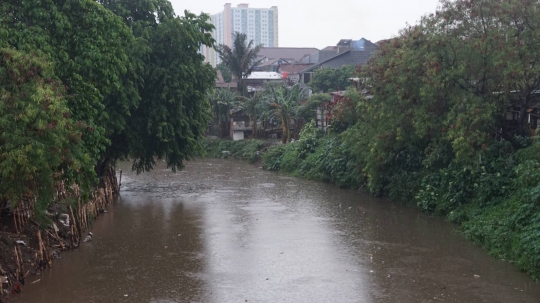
[[282, 104]]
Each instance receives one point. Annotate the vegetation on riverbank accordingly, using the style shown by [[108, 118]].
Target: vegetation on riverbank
[[84, 84], [444, 117]]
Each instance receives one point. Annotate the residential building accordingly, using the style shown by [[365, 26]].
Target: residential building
[[290, 54], [291, 71], [241, 125], [346, 52], [257, 81], [220, 82], [270, 58], [259, 24]]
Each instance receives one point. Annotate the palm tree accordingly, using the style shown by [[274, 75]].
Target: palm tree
[[283, 104], [241, 59], [252, 106], [223, 100]]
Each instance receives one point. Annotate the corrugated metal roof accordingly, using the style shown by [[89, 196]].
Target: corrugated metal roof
[[264, 76], [294, 53]]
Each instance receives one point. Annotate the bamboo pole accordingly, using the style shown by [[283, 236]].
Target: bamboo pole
[[58, 238], [16, 223], [17, 272], [75, 232], [41, 246]]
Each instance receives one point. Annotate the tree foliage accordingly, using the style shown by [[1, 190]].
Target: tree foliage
[[308, 110], [89, 48], [225, 72], [326, 80], [223, 101], [241, 58], [172, 114], [442, 88], [86, 83], [282, 105], [39, 142], [253, 108]]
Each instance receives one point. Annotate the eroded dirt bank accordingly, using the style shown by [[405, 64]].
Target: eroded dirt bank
[[29, 245]]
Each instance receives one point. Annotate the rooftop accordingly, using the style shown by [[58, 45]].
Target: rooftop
[[264, 76], [292, 53], [292, 68]]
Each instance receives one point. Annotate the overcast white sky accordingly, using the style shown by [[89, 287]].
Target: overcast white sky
[[317, 23]]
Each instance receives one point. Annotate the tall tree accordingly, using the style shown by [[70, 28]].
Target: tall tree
[[241, 59], [173, 112], [442, 89], [90, 49], [282, 105]]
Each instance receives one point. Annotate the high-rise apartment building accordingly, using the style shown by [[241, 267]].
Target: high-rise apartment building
[[259, 24]]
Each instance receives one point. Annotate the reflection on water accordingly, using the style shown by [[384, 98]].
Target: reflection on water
[[226, 231]]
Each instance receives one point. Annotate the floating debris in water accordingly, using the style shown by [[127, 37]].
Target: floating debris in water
[[89, 237]]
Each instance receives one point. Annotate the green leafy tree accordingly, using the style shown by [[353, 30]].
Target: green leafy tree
[[241, 58], [308, 110], [90, 49], [173, 111], [282, 105], [326, 80], [39, 143], [223, 101], [225, 72], [443, 87]]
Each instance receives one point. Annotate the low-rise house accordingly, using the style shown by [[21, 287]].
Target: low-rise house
[[241, 125], [325, 53], [346, 52], [220, 82], [289, 54], [257, 81], [291, 71], [270, 65]]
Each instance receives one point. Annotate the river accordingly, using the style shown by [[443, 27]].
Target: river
[[227, 231]]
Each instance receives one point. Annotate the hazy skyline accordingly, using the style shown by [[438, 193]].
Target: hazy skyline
[[304, 23]]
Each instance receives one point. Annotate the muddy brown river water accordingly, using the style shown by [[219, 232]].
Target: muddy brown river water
[[227, 231]]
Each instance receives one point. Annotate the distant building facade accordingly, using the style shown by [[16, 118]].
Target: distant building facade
[[346, 52], [259, 24]]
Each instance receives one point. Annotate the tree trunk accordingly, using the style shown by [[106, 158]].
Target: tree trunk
[[225, 129], [101, 167], [240, 87], [254, 135], [522, 122]]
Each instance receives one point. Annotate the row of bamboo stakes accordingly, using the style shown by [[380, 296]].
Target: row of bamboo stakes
[[80, 219]]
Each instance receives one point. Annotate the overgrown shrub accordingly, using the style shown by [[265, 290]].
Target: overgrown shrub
[[511, 229], [248, 150], [271, 160]]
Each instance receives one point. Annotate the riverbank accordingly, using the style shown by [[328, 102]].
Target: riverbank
[[495, 203], [30, 244]]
